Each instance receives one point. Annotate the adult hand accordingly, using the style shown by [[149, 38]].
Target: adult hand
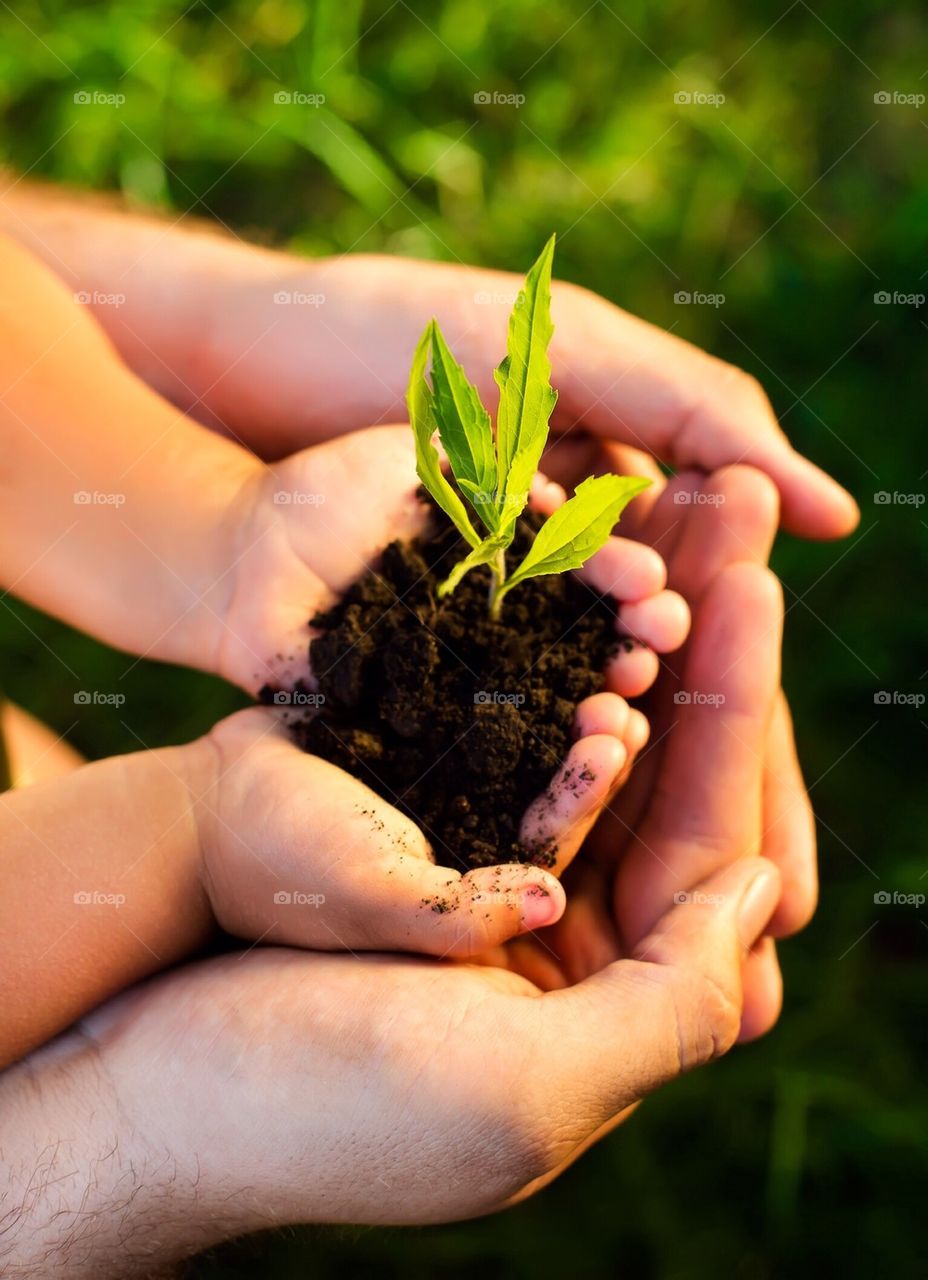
[[727, 680], [283, 1086], [283, 352]]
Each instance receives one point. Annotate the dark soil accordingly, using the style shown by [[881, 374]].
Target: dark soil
[[457, 720]]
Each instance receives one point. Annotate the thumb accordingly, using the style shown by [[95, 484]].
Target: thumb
[[674, 1005]]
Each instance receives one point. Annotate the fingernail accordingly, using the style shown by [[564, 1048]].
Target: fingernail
[[537, 907], [757, 905]]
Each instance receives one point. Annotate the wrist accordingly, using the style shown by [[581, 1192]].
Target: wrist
[[89, 1189]]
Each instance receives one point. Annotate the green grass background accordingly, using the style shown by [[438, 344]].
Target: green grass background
[[798, 198]]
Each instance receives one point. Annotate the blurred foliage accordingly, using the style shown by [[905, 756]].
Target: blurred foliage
[[797, 198]]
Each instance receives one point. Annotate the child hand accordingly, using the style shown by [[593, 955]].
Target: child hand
[[296, 851], [313, 523]]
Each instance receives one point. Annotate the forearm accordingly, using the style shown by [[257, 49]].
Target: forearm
[[84, 1191], [115, 510], [99, 886], [149, 281]]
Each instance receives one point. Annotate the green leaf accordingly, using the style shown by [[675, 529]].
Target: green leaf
[[577, 529], [428, 465], [526, 395], [484, 554], [464, 429]]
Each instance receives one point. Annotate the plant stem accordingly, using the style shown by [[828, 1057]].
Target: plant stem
[[498, 571]]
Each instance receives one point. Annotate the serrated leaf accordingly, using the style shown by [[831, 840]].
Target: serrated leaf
[[526, 395], [484, 554], [577, 529], [428, 465], [464, 429]]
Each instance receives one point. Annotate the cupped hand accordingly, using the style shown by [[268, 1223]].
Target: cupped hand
[[281, 376], [296, 851], [723, 689], [312, 524], [299, 1087]]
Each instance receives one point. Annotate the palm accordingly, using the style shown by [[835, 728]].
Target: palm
[[314, 524]]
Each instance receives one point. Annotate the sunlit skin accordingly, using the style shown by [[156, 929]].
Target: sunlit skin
[[342, 1088], [201, 562]]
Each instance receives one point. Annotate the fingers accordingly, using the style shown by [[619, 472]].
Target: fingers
[[663, 395], [732, 515], [762, 984], [674, 1005], [741, 427], [416, 906], [789, 827], [626, 570], [662, 622], [558, 821], [706, 807], [602, 713], [651, 620], [301, 853]]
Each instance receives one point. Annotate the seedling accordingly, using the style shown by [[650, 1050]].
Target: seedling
[[492, 472]]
